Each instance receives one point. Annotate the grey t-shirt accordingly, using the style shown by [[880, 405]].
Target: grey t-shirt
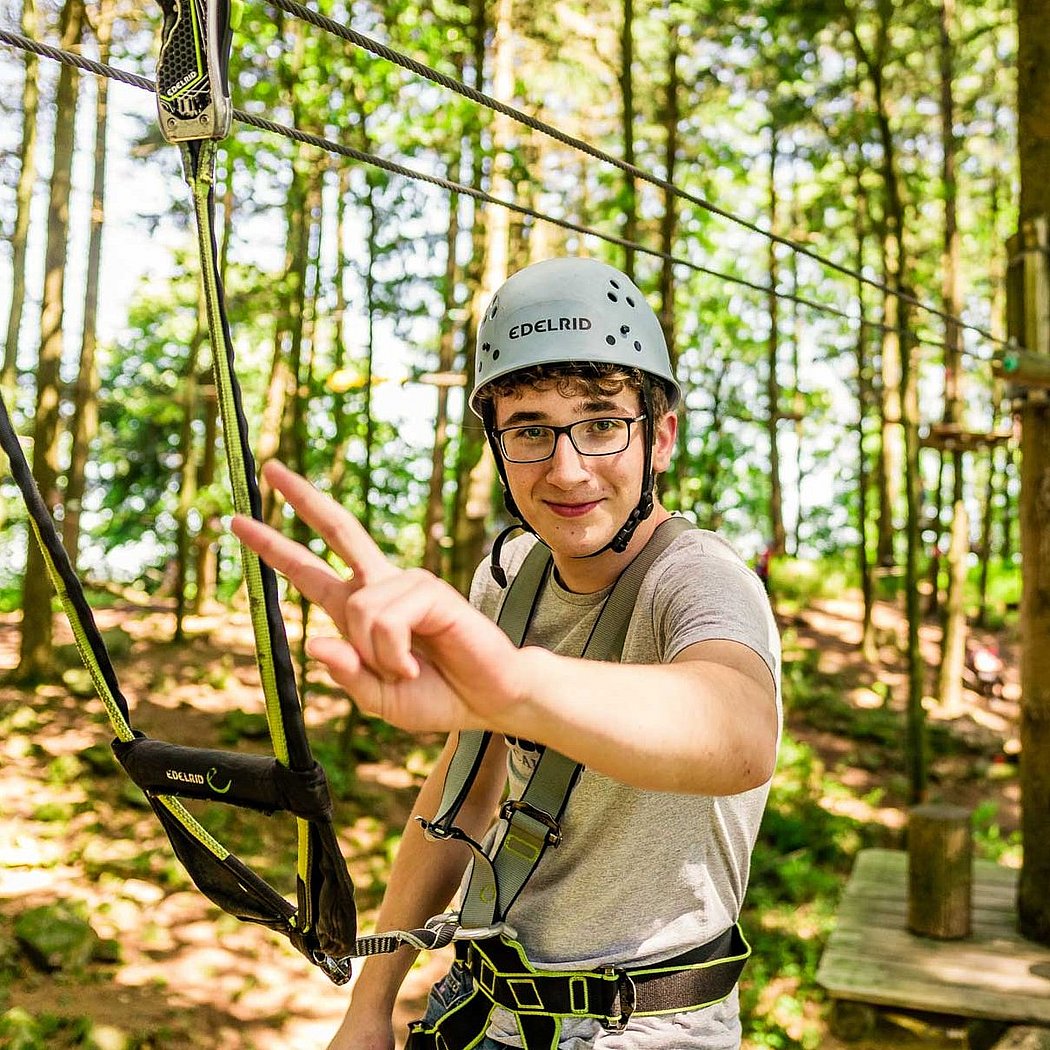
[[642, 876]]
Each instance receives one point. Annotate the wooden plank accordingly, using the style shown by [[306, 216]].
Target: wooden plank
[[910, 988], [871, 957], [994, 955]]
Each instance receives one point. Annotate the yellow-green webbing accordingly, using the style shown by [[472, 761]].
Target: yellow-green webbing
[[85, 632], [87, 654], [199, 162]]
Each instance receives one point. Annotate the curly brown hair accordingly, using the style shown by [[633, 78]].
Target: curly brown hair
[[573, 379]]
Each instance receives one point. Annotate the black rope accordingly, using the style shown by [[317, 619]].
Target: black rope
[[421, 69], [330, 146]]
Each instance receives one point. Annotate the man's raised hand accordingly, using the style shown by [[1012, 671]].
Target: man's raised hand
[[412, 651]]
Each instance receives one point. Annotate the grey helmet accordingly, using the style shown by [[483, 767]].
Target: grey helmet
[[565, 311], [570, 310]]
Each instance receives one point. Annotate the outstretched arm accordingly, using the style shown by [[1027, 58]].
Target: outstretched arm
[[414, 652]]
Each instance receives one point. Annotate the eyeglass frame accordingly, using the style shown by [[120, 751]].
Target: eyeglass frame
[[567, 430]]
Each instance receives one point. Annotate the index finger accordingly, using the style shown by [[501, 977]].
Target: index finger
[[340, 530], [313, 577]]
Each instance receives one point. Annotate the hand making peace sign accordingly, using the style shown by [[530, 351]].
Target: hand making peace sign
[[413, 651]]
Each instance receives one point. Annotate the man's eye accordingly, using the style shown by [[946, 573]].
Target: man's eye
[[532, 433]]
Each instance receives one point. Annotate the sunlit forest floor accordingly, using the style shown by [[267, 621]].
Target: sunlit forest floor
[[174, 972]]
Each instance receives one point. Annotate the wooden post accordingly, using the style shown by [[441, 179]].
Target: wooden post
[[940, 864]]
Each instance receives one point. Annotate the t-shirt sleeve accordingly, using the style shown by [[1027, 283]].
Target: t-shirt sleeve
[[706, 592]]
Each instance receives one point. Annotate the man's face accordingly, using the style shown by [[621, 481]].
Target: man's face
[[577, 503]]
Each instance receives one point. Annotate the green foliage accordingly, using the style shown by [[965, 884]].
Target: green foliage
[[989, 840]]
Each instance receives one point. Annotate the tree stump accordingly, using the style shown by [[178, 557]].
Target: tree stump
[[940, 866]]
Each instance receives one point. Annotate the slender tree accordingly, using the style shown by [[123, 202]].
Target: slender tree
[[475, 473], [776, 514], [630, 189], [953, 647], [35, 645], [84, 423], [433, 526], [23, 200]]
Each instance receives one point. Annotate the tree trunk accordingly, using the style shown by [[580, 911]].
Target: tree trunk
[[434, 523], [281, 387], [23, 201], [933, 569], [891, 455], [34, 660], [798, 324], [900, 401], [863, 400], [916, 717], [953, 646], [206, 554], [342, 410], [475, 471], [776, 513], [630, 188], [953, 649], [1033, 93], [668, 234], [84, 424], [366, 407], [187, 474]]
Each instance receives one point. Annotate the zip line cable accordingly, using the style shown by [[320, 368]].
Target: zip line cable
[[295, 134], [421, 69]]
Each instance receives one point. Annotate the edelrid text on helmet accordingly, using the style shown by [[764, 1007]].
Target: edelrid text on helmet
[[570, 310]]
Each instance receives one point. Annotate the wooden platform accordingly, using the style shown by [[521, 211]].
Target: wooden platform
[[872, 958]]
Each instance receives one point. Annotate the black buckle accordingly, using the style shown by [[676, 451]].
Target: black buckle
[[517, 805], [626, 1000]]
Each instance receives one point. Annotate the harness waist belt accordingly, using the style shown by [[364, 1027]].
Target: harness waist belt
[[701, 977]]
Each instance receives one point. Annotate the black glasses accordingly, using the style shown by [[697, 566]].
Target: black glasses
[[604, 436]]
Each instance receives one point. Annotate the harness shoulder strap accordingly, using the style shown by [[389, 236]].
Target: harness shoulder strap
[[532, 823], [514, 616]]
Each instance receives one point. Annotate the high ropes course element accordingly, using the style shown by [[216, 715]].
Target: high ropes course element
[[358, 39], [195, 112]]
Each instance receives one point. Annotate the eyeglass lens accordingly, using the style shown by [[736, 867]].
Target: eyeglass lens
[[590, 437]]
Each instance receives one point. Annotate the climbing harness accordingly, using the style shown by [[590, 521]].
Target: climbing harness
[[487, 947]]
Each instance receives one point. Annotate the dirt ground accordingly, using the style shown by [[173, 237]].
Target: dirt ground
[[189, 977]]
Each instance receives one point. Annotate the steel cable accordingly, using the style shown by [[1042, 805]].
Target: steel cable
[[295, 134], [421, 69]]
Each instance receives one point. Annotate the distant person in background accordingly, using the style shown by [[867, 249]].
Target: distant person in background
[[765, 556]]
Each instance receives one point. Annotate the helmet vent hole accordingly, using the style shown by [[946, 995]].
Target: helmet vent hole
[[630, 301], [613, 283], [611, 340], [495, 354], [624, 329], [637, 346], [613, 298], [494, 307], [486, 347]]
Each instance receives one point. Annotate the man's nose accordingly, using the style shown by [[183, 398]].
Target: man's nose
[[566, 464]]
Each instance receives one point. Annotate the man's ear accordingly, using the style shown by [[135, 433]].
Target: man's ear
[[664, 441]]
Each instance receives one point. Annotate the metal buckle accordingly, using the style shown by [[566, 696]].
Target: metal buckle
[[626, 1000], [472, 933], [517, 805], [437, 832], [336, 970]]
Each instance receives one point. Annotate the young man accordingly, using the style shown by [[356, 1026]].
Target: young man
[[623, 937]]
